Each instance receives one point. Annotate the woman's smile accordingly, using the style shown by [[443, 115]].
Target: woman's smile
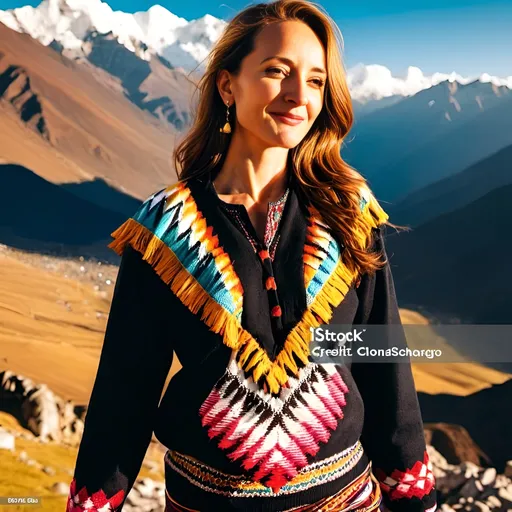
[[286, 120]]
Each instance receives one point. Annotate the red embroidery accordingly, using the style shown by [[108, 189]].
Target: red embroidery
[[271, 284], [275, 212], [276, 311], [417, 481], [82, 501]]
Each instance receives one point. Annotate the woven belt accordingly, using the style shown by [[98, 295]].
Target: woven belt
[[363, 494], [217, 482]]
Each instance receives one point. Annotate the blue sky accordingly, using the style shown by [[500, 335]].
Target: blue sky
[[470, 37]]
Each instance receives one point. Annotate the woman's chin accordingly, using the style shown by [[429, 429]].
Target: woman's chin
[[287, 140]]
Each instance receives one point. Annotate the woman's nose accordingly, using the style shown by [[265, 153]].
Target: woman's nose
[[297, 92]]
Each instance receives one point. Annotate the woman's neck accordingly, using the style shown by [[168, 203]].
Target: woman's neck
[[252, 176], [250, 188]]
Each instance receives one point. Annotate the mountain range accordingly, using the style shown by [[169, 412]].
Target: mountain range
[[92, 102], [430, 136], [186, 44], [70, 121]]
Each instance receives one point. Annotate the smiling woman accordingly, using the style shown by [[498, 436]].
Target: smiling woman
[[267, 234]]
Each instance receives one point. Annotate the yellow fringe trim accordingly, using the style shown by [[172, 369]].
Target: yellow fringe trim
[[373, 212], [252, 357], [181, 282], [372, 215]]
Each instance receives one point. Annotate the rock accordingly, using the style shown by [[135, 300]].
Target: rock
[[80, 411], [506, 493], [508, 469], [454, 443], [45, 414], [60, 488], [7, 440], [502, 481], [469, 487], [146, 495], [489, 476], [41, 413], [134, 498], [5, 377], [146, 488]]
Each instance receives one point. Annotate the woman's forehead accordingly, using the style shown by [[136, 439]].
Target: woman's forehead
[[292, 39]]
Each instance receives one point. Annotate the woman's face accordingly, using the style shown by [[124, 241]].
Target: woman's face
[[284, 74]]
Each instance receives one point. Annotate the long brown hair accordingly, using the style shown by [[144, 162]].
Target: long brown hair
[[331, 185]]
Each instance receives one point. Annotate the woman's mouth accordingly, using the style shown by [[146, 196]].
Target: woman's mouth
[[286, 120]]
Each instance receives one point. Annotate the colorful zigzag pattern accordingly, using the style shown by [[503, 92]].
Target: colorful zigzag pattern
[[272, 436]]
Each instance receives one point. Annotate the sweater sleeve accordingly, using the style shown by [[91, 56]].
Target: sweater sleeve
[[135, 359], [393, 435]]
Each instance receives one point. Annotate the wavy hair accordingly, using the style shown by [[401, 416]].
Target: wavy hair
[[323, 178]]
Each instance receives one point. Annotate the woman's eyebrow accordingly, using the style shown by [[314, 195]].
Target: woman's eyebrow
[[290, 62]]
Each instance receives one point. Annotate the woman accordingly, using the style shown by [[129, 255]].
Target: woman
[[267, 234]]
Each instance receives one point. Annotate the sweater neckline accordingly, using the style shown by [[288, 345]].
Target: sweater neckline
[[210, 188]]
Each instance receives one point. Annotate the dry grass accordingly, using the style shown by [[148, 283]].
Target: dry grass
[[19, 479]]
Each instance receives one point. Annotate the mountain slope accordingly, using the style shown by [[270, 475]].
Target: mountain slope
[[457, 265], [83, 128], [454, 192], [152, 84], [67, 22], [56, 220], [449, 152]]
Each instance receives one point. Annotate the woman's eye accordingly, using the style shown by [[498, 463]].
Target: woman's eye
[[319, 82], [275, 70]]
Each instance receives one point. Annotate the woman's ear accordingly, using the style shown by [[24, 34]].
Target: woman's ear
[[223, 82]]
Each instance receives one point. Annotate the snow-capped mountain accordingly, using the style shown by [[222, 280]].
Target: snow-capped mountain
[[183, 43], [186, 44]]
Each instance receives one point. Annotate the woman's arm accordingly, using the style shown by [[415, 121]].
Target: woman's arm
[[136, 357], [393, 435]]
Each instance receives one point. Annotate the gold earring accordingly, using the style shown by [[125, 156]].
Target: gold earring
[[227, 127]]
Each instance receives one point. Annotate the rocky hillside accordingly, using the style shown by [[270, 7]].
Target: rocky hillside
[[63, 121]]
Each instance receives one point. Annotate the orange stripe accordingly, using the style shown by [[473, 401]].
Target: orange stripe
[[173, 505], [264, 254], [271, 284]]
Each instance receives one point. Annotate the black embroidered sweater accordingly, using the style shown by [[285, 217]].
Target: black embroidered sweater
[[250, 421]]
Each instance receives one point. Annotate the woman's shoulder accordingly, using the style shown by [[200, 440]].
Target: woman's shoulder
[[145, 222], [371, 210], [153, 207]]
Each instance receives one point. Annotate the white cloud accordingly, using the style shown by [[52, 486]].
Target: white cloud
[[374, 82]]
